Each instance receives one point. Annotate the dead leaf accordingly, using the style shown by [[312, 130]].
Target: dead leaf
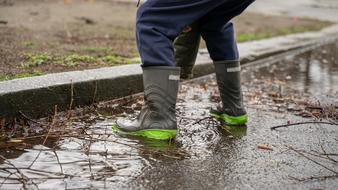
[[264, 147], [67, 1]]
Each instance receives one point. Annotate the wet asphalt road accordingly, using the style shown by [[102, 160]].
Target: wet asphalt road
[[326, 10]]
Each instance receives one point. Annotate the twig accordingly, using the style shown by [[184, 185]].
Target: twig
[[314, 178], [327, 156], [45, 140], [95, 92], [58, 160], [203, 119], [23, 178], [308, 158], [51, 125], [71, 95], [303, 123], [316, 155], [87, 152], [32, 178], [30, 119], [6, 178], [40, 171]]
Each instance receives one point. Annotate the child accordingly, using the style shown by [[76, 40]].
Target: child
[[159, 22]]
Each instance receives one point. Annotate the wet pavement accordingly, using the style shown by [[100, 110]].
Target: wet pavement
[[297, 88], [317, 9]]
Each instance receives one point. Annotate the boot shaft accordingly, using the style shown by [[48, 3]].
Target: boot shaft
[[158, 113], [161, 87], [229, 84]]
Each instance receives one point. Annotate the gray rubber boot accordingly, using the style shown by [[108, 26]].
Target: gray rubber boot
[[232, 111], [157, 118], [186, 47]]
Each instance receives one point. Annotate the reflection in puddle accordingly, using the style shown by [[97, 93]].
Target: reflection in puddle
[[314, 72], [100, 159]]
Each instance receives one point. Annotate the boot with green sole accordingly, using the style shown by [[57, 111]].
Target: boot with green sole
[[232, 111], [157, 119]]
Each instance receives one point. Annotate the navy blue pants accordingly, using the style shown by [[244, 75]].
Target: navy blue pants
[[159, 22]]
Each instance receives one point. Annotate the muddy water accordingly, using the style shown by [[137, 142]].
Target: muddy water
[[204, 156]]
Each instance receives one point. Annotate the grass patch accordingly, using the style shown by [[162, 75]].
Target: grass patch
[[114, 59], [97, 49], [20, 75], [111, 59], [105, 55], [34, 60], [244, 37], [74, 59]]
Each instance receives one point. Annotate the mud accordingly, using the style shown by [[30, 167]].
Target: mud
[[204, 156]]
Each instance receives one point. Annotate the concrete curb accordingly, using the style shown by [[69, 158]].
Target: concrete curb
[[38, 96]]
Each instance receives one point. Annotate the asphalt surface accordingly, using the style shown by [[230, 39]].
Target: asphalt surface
[[317, 9]]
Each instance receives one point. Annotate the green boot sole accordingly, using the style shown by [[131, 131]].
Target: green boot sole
[[158, 134], [231, 120]]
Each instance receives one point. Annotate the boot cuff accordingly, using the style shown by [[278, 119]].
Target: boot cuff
[[228, 63], [167, 68]]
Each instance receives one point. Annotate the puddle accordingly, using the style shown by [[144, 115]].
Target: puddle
[[314, 72], [204, 156]]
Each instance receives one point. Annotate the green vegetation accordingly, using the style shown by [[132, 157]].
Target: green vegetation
[[74, 59], [34, 60], [243, 37], [113, 59], [106, 55], [97, 49], [20, 75]]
